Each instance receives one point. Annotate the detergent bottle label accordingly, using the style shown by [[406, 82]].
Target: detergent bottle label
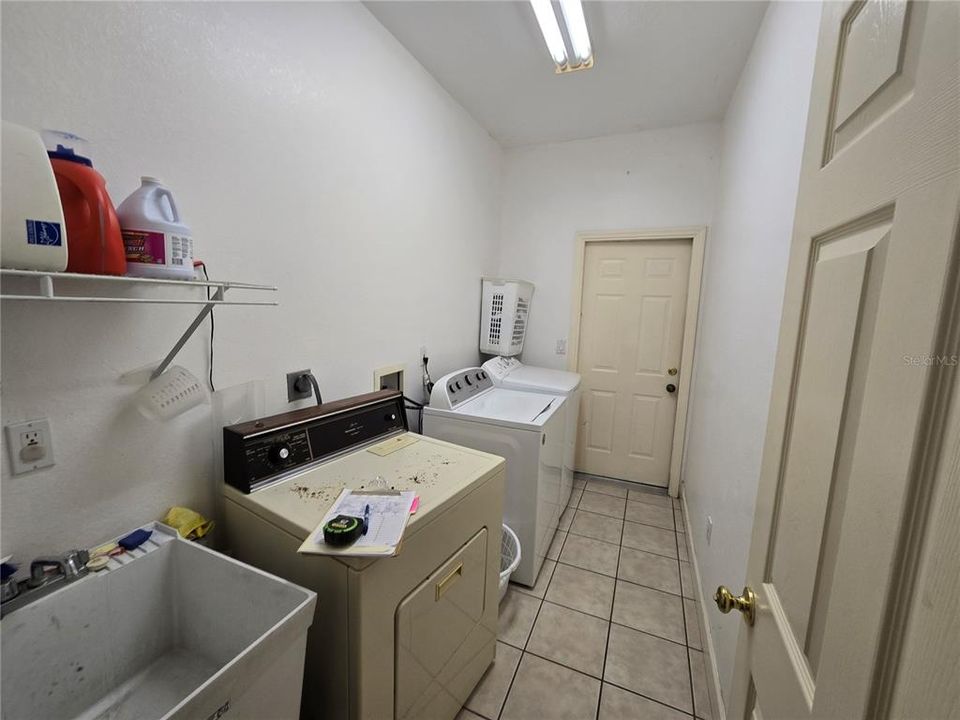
[[157, 248]]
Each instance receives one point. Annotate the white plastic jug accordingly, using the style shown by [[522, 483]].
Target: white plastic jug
[[157, 242], [34, 234]]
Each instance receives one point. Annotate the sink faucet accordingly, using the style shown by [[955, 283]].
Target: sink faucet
[[70, 566]]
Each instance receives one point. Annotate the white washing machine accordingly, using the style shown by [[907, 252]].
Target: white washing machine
[[528, 429], [511, 373], [407, 636]]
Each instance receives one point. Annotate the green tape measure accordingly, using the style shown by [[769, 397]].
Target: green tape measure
[[342, 530]]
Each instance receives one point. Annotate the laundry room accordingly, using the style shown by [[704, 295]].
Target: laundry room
[[465, 359]]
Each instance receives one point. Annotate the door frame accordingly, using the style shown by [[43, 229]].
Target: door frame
[[697, 236]]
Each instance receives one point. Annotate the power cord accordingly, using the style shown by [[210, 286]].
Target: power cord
[[307, 381], [418, 406], [206, 277]]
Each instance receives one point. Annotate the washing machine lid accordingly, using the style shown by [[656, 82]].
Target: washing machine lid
[[516, 408], [518, 376]]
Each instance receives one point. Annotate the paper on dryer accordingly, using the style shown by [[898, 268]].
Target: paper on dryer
[[389, 512]]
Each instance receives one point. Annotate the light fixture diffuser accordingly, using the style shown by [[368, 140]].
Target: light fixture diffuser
[[550, 29], [577, 30]]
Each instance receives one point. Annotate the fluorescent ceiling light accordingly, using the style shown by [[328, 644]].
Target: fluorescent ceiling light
[[576, 29], [547, 20]]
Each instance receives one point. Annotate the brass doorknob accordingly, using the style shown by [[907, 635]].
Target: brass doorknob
[[746, 603]]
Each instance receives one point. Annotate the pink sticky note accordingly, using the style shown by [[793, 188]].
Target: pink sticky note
[[416, 505]]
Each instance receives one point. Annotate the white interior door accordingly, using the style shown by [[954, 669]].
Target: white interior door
[[876, 225], [633, 307]]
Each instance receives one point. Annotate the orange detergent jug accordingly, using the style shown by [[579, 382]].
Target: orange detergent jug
[[96, 245]]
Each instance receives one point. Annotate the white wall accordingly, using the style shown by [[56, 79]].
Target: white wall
[[657, 178], [307, 149], [742, 297]]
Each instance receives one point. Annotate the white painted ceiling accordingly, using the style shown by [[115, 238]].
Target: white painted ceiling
[[657, 64]]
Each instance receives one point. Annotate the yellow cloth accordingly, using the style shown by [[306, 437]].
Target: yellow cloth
[[189, 523]]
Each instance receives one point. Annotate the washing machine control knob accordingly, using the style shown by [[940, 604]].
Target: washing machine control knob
[[468, 380], [279, 453]]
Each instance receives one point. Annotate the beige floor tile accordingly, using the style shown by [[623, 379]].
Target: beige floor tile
[[607, 487], [649, 538], [543, 579], [649, 610], [465, 714], [553, 552], [686, 580], [574, 497], [650, 666], [643, 568], [581, 590], [650, 498], [701, 698], [571, 638], [566, 517], [691, 613], [678, 519], [487, 699], [639, 512], [599, 527], [682, 547], [579, 482], [542, 689], [618, 704], [517, 613], [590, 554], [603, 504]]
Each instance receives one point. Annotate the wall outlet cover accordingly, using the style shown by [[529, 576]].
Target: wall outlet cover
[[30, 445], [389, 377], [292, 392], [562, 346]]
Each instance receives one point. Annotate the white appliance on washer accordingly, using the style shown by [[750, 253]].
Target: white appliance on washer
[[401, 637], [508, 372], [528, 429]]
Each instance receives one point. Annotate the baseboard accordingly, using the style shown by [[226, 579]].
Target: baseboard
[[706, 639]]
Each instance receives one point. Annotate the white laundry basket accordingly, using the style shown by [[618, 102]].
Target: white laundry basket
[[509, 558]]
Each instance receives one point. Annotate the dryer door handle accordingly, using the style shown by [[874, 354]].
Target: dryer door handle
[[449, 580]]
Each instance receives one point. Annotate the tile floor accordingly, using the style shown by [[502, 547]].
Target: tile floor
[[610, 631]]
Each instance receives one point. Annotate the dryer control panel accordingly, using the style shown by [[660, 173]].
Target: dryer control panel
[[460, 386], [260, 452]]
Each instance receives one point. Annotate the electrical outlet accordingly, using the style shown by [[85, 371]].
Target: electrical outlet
[[562, 346], [292, 392], [709, 529], [30, 445]]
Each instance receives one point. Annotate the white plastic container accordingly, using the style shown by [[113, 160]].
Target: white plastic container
[[34, 234], [157, 242], [504, 306], [509, 558]]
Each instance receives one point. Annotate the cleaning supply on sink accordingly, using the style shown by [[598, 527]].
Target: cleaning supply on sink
[[188, 523], [158, 243], [98, 563], [92, 226], [134, 539], [34, 235]]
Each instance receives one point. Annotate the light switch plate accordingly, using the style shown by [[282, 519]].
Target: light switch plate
[[30, 445], [562, 346]]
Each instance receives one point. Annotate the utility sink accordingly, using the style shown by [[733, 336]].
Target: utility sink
[[172, 630]]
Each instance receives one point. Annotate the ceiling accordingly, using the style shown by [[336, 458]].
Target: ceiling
[[657, 64]]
